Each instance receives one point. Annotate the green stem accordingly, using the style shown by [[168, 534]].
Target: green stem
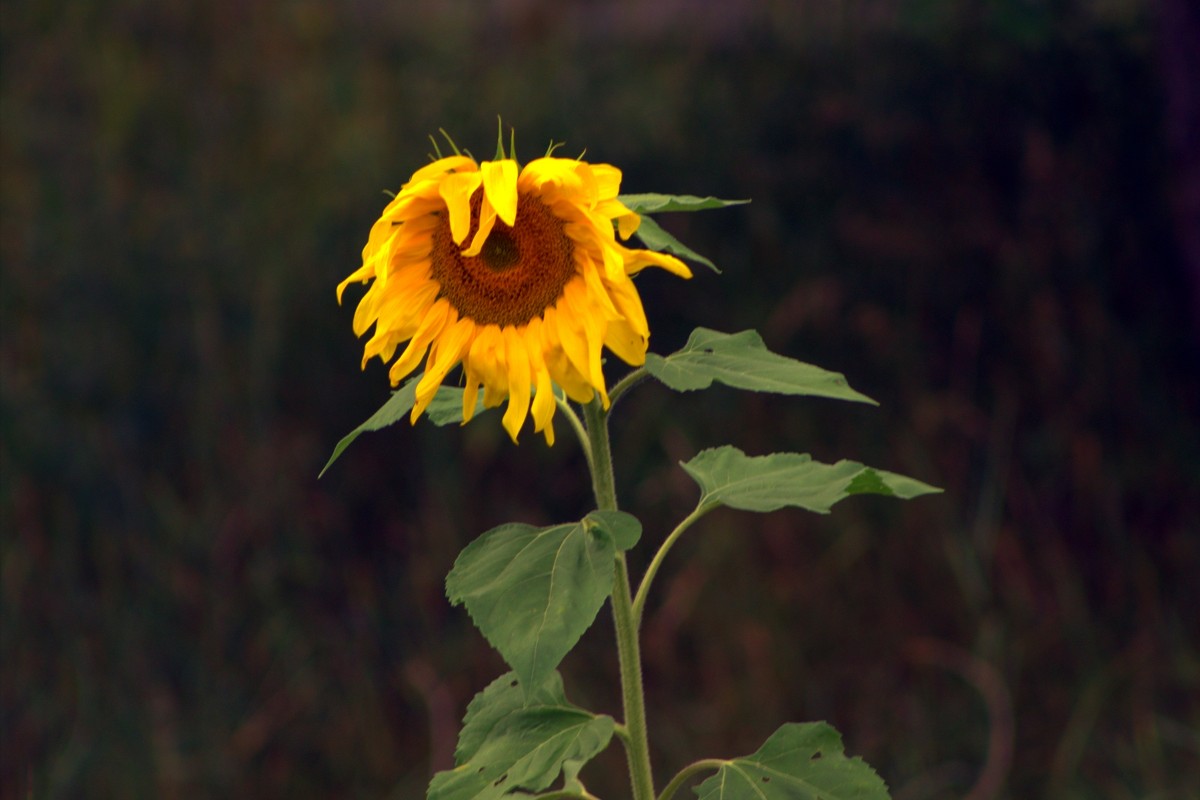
[[573, 418], [689, 772], [625, 384], [639, 602], [637, 743]]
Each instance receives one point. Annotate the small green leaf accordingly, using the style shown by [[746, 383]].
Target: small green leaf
[[729, 477], [393, 410], [534, 591], [444, 409], [659, 203], [801, 761], [742, 360], [625, 529], [515, 741], [654, 237]]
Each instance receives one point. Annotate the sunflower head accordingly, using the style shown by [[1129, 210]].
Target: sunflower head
[[518, 274]]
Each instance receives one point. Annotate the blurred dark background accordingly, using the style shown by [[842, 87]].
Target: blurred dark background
[[983, 212]]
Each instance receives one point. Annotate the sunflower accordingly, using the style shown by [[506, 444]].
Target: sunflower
[[515, 273]]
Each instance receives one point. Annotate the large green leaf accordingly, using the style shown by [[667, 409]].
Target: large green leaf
[[801, 761], [534, 591], [654, 237], [658, 203], [742, 360], [445, 409], [514, 741], [729, 477]]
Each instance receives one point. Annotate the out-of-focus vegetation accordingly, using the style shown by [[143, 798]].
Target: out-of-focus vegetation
[[960, 205]]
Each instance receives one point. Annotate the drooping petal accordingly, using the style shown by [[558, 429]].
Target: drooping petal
[[559, 363], [486, 359], [576, 300], [543, 399], [435, 320], [608, 181], [570, 335], [627, 300], [440, 168], [470, 393], [456, 190], [636, 260], [628, 344], [595, 287], [487, 221], [500, 187], [518, 382], [446, 351]]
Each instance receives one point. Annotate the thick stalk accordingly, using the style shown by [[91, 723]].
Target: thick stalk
[[637, 743]]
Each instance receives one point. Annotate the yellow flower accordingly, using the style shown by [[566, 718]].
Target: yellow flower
[[516, 274]]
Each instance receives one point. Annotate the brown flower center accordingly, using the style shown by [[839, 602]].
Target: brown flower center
[[519, 272]]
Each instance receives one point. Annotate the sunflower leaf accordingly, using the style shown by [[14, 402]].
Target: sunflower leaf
[[515, 740], [534, 591], [800, 761], [742, 360], [445, 409], [654, 237], [659, 203], [400, 403], [729, 477]]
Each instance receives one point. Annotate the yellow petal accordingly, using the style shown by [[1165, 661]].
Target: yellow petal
[[440, 168], [549, 171], [635, 260], [456, 190], [377, 259], [627, 221], [614, 262], [518, 382], [404, 311], [470, 394], [360, 275], [487, 220], [447, 350], [587, 192], [557, 361], [608, 180], [627, 343], [595, 287], [572, 339], [486, 359], [543, 399], [500, 187], [627, 300], [578, 304], [435, 320]]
